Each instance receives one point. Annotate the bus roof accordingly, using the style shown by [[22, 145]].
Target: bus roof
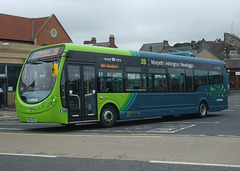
[[177, 58], [185, 53], [114, 51]]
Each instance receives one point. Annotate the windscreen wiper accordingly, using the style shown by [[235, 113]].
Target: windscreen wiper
[[35, 62]]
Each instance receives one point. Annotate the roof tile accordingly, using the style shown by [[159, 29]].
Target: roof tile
[[19, 28]]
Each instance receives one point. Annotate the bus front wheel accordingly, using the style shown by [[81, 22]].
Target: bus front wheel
[[108, 116], [203, 108]]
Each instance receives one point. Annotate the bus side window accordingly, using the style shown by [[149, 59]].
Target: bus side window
[[110, 80], [157, 82], [200, 77], [176, 79], [215, 77], [135, 80], [157, 79]]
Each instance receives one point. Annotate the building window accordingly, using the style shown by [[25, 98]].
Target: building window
[[53, 32], [2, 70], [233, 52], [13, 72]]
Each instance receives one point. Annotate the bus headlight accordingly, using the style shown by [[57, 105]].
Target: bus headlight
[[52, 102]]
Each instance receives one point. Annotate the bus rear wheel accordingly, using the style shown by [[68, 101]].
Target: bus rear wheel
[[203, 108], [108, 116]]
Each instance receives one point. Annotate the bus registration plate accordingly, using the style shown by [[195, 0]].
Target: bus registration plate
[[31, 120]]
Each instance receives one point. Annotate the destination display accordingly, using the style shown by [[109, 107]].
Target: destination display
[[46, 52], [109, 66], [153, 62]]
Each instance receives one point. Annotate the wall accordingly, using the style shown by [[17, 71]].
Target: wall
[[206, 55], [45, 38], [14, 53]]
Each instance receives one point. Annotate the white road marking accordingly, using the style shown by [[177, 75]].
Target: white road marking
[[217, 122], [12, 129], [180, 129], [195, 164], [228, 110], [27, 155], [169, 129]]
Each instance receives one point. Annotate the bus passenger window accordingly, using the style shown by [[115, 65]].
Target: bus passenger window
[[135, 80], [110, 80], [200, 77], [215, 77], [176, 79], [157, 80]]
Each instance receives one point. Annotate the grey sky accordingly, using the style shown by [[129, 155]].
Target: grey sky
[[135, 22]]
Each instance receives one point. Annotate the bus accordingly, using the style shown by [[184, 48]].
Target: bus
[[69, 84], [189, 54]]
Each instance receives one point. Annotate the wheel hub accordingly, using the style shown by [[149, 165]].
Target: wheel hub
[[108, 116], [202, 109]]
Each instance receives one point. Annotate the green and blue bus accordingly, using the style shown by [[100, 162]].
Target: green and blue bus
[[181, 53], [69, 84]]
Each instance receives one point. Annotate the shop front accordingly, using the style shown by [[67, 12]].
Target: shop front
[[234, 79], [3, 92]]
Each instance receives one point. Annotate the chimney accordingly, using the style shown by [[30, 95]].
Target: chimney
[[193, 45], [93, 40], [112, 41], [165, 44], [218, 46]]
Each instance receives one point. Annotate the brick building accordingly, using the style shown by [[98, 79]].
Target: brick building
[[232, 60], [19, 36]]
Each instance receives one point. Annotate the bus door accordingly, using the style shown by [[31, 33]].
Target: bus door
[[81, 92]]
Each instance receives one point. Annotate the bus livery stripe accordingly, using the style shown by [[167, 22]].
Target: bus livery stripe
[[129, 103]]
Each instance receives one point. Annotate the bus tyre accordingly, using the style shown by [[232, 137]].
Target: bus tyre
[[203, 108], [108, 116]]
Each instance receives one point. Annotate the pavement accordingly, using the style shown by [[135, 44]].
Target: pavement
[[8, 114]]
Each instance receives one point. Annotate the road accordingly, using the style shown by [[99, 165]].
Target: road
[[178, 143]]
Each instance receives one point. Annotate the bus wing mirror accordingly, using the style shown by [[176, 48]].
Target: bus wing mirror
[[54, 70]]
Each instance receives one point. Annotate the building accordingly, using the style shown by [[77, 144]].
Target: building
[[211, 49], [233, 69], [155, 47], [37, 31], [232, 59], [110, 43], [163, 47], [19, 36], [227, 51]]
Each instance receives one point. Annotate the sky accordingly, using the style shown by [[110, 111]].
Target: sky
[[135, 22]]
